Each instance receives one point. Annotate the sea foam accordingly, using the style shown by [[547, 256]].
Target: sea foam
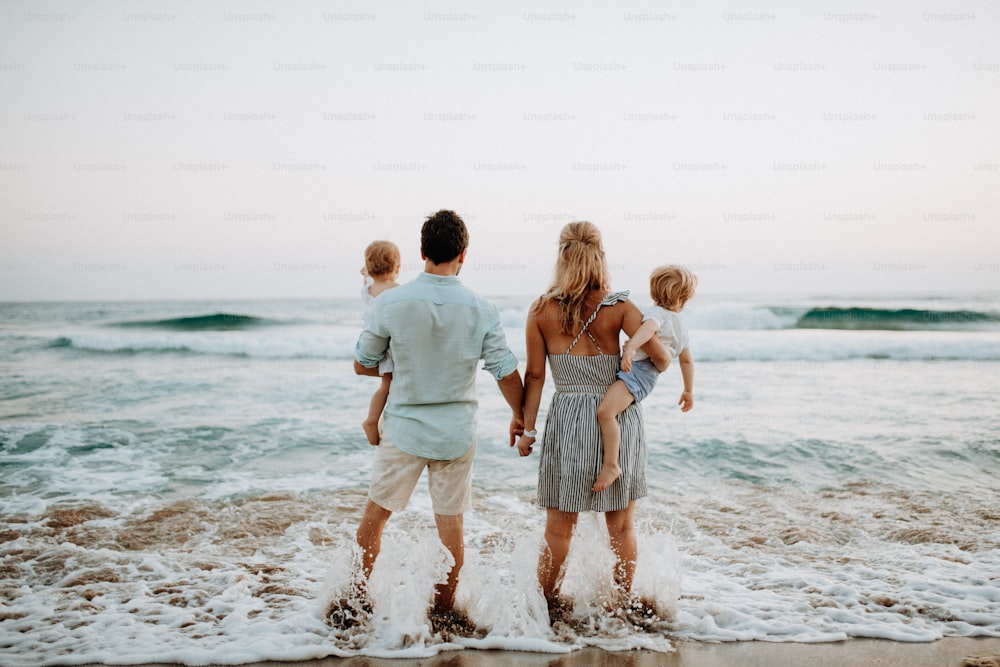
[[708, 345], [198, 505]]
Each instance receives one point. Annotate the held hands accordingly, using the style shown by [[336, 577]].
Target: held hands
[[524, 444], [524, 439], [686, 402], [516, 429]]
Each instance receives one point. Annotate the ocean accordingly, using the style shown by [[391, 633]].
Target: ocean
[[181, 482]]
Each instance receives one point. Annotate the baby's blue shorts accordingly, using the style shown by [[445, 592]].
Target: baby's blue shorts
[[641, 379]]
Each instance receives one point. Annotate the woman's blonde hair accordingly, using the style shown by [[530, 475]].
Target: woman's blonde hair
[[580, 270], [671, 286]]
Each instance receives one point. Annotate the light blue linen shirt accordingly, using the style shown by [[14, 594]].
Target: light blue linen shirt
[[438, 330]]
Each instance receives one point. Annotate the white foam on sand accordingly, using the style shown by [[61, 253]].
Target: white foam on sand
[[499, 591], [200, 583]]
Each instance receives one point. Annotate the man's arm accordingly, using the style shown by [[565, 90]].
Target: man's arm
[[368, 352], [501, 363], [513, 393]]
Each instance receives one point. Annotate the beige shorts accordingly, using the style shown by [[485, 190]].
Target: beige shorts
[[395, 474]]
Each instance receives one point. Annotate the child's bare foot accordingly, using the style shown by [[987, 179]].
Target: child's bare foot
[[371, 431], [608, 474]]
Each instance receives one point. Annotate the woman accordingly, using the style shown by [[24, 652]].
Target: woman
[[577, 326]]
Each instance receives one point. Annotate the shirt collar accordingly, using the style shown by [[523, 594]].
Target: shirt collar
[[437, 280]]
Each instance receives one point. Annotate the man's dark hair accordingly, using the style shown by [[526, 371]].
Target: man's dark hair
[[443, 237]]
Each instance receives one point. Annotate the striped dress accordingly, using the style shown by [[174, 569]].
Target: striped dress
[[571, 444]]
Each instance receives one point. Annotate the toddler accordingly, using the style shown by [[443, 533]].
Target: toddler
[[670, 288], [381, 270]]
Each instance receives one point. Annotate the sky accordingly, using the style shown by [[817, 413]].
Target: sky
[[176, 150]]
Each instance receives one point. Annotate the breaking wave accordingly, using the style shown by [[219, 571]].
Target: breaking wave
[[212, 322], [903, 319]]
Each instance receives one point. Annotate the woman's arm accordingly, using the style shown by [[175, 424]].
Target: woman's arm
[[534, 376], [642, 335], [631, 322]]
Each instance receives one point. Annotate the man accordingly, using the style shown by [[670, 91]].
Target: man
[[438, 330]]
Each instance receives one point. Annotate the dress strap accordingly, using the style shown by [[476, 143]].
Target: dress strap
[[614, 297], [609, 300]]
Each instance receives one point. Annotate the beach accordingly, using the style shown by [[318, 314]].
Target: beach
[[189, 192], [951, 652], [182, 481]]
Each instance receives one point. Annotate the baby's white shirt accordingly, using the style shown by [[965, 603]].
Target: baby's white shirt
[[670, 330]]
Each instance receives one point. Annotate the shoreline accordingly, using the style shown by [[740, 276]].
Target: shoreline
[[945, 652]]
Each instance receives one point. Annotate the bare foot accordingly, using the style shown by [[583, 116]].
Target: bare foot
[[642, 613], [608, 474], [560, 609], [348, 612], [451, 623], [371, 431]]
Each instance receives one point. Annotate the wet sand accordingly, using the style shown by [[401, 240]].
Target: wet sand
[[948, 652]]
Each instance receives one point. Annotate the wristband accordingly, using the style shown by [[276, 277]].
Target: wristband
[[530, 434]]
